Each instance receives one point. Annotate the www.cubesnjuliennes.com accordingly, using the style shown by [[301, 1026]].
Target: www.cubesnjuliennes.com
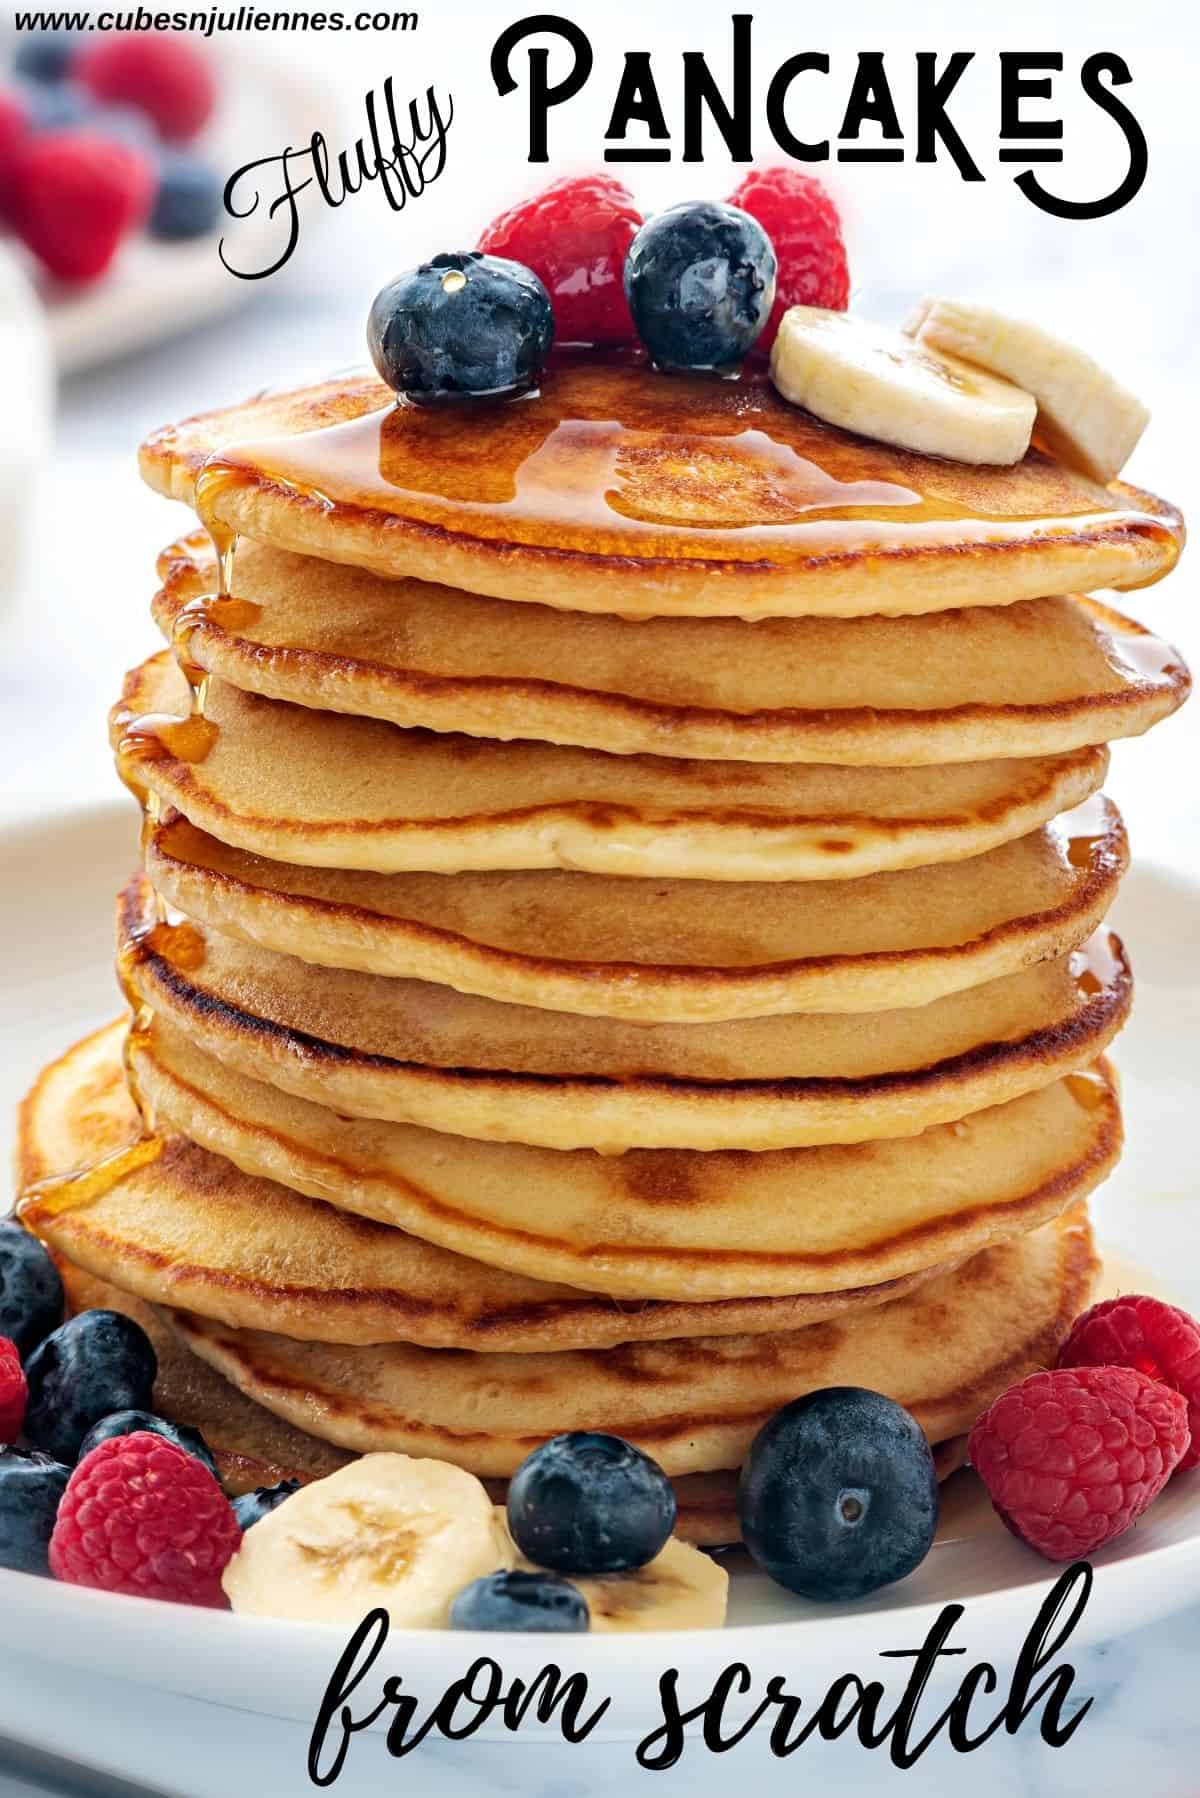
[[904, 1726]]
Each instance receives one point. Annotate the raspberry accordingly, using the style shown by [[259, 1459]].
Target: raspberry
[[14, 132], [78, 196], [141, 1516], [574, 235], [159, 72], [803, 224], [13, 1392], [1158, 1339], [1072, 1457]]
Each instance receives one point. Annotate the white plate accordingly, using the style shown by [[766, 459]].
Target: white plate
[[55, 920], [155, 290]]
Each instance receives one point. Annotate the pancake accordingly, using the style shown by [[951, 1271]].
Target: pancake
[[660, 1223], [944, 1351], [253, 1448], [616, 488], [683, 951], [326, 790], [189, 1229], [421, 1054], [416, 1021], [1039, 677]]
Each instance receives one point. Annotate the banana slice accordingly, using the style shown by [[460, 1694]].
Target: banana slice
[[881, 384], [1084, 417], [386, 1530], [681, 1588]]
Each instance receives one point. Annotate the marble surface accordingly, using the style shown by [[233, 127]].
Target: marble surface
[[1142, 1732], [1125, 286]]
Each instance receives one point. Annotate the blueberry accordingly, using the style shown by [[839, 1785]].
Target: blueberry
[[31, 1486], [31, 1293], [58, 108], [45, 56], [98, 1363], [251, 1507], [188, 202], [461, 326], [522, 1601], [700, 280], [124, 1423], [838, 1495], [586, 1503]]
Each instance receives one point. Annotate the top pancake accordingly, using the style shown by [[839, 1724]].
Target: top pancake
[[616, 488], [1036, 677]]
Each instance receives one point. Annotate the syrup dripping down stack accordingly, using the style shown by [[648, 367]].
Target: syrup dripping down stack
[[620, 936]]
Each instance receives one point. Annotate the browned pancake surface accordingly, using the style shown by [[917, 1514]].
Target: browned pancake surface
[[619, 489]]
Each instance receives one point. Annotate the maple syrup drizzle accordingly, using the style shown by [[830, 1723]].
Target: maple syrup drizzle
[[94, 1180], [594, 457], [179, 942], [217, 611], [159, 736], [1097, 967], [1077, 833], [210, 483], [84, 1186], [1089, 1089], [1151, 660]]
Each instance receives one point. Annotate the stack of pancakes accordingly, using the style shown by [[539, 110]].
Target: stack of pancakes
[[619, 941]]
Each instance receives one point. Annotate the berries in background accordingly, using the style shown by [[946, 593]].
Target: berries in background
[[1072, 1457], [45, 55], [838, 1495], [78, 197], [1158, 1339], [31, 1489], [31, 1292], [14, 124], [143, 1517], [125, 1423], [251, 1507], [59, 108], [125, 125], [700, 280], [188, 201], [461, 326], [526, 1602], [98, 1363], [160, 72], [575, 235], [14, 133], [803, 224], [590, 1503], [13, 1392]]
